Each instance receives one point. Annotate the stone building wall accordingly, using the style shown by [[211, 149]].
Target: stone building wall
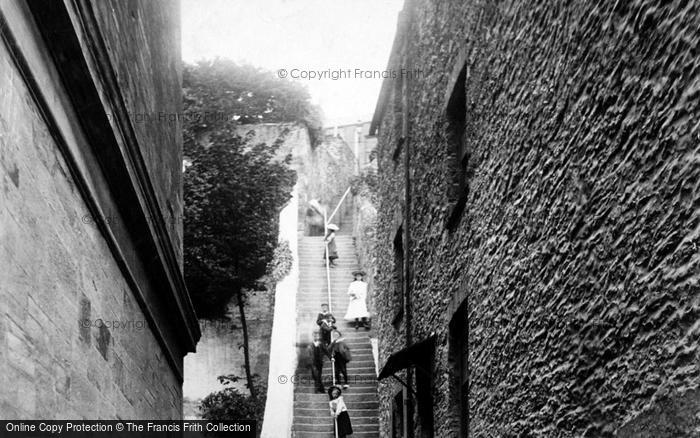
[[364, 222], [93, 319], [577, 249], [146, 77], [357, 137]]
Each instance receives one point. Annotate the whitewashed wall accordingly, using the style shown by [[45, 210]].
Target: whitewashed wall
[[277, 422]]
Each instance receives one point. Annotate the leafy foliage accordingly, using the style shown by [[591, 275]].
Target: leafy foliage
[[230, 404], [220, 91], [281, 262], [233, 196], [366, 184], [233, 190]]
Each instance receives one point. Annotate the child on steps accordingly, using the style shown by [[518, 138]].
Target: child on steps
[[326, 322], [340, 356], [339, 411]]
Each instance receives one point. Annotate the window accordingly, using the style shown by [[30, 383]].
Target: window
[[456, 113], [400, 117], [397, 416], [398, 277], [424, 395], [459, 349]]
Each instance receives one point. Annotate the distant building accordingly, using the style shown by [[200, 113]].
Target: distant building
[[358, 137], [537, 264], [94, 315]]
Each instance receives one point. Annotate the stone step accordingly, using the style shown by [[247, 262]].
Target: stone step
[[316, 257], [354, 378], [368, 380], [318, 240], [359, 356], [350, 392], [310, 412], [327, 427], [339, 291], [364, 434], [305, 397], [316, 263], [365, 370], [362, 357], [319, 424], [319, 246], [351, 403], [320, 401], [356, 418], [310, 424], [358, 384], [318, 249], [312, 253], [339, 242], [355, 370], [314, 299], [361, 376], [360, 368]]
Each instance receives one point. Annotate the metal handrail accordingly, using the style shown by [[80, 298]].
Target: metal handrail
[[326, 222], [338, 206], [330, 308]]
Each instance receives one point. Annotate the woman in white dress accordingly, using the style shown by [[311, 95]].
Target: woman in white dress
[[357, 307]]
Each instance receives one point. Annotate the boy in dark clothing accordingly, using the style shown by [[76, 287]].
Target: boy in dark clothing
[[340, 355], [316, 352], [326, 321]]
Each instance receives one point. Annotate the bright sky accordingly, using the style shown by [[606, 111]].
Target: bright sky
[[303, 37]]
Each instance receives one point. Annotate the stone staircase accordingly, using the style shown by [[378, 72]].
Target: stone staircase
[[311, 411]]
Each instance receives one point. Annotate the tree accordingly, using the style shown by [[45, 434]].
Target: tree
[[220, 91], [233, 190]]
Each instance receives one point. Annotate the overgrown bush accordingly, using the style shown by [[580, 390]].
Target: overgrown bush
[[281, 262], [230, 404], [365, 184]]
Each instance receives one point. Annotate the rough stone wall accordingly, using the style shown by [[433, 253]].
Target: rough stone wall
[[389, 218], [364, 230], [349, 133], [73, 340], [220, 351], [324, 172], [147, 63], [331, 170], [578, 246]]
